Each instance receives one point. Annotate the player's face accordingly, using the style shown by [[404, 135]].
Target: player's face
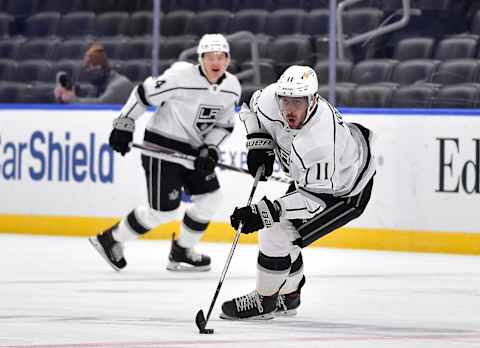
[[294, 110], [214, 65]]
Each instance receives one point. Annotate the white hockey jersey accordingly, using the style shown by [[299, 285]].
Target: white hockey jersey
[[190, 111], [326, 156]]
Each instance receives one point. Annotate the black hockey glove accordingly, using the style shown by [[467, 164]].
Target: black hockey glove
[[207, 159], [260, 152], [256, 216], [122, 134]]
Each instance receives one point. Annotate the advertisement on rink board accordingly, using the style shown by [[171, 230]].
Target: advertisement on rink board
[[56, 162]]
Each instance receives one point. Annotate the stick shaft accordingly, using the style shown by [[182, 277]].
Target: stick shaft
[[234, 245], [162, 153]]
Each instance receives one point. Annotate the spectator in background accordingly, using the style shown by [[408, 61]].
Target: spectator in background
[[111, 87]]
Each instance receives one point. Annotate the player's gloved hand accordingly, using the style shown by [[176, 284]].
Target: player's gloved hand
[[260, 152], [207, 159], [122, 134], [256, 216]]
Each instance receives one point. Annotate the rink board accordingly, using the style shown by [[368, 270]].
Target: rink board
[[59, 177]]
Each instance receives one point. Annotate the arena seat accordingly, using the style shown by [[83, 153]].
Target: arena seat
[[111, 24], [343, 94], [316, 22], [414, 71], [10, 91], [211, 21], [141, 23], [135, 48], [171, 48], [75, 24], [414, 48], [285, 22], [136, 70], [6, 22], [175, 23], [71, 48], [458, 96], [8, 68], [360, 20], [267, 72], [41, 93], [250, 20], [456, 47], [241, 51], [34, 70], [42, 24], [414, 96], [289, 50], [20, 9], [373, 71], [343, 71], [10, 46], [37, 48], [456, 71], [372, 96]]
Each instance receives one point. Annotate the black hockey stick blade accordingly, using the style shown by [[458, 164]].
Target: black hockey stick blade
[[201, 323]]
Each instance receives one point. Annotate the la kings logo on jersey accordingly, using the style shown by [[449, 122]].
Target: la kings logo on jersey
[[206, 117]]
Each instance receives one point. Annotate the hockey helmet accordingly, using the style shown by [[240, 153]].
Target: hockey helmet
[[213, 43], [299, 81]]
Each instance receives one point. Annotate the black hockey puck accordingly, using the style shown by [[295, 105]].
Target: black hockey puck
[[206, 331]]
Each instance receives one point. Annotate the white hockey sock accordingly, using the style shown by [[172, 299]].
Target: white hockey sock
[[122, 233], [191, 231], [271, 273], [139, 221]]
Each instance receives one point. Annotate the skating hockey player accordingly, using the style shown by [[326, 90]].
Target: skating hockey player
[[194, 114], [331, 167]]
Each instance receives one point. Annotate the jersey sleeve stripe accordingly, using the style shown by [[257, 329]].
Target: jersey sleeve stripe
[[175, 88], [131, 109], [141, 95], [268, 118], [231, 92], [334, 141]]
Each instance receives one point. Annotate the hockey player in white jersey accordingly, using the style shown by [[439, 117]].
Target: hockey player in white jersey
[[195, 108], [332, 169]]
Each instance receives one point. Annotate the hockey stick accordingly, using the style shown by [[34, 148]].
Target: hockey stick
[[161, 152], [200, 319]]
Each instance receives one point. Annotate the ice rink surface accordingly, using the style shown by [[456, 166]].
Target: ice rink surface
[[58, 292]]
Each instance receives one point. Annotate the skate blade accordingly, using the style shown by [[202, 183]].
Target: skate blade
[[96, 244], [185, 267], [287, 313], [267, 316]]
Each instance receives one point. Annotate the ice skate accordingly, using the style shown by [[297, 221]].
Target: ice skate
[[110, 249], [287, 304], [187, 260], [252, 306]]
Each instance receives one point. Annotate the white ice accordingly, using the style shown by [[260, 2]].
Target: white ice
[[58, 292]]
